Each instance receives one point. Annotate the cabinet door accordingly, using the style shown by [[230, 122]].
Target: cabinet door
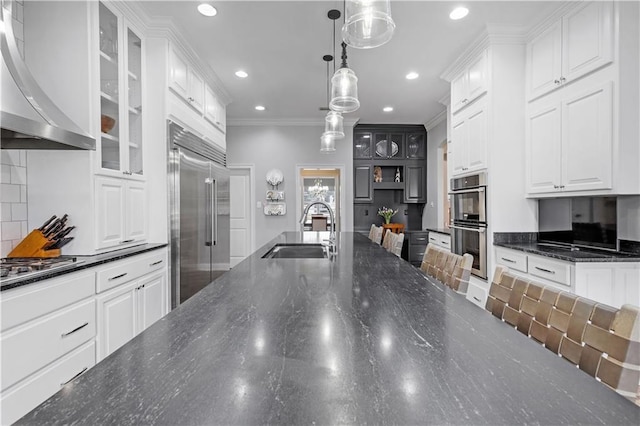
[[459, 136], [587, 39], [134, 102], [477, 138], [363, 177], [196, 91], [416, 145], [362, 142], [544, 156], [116, 318], [178, 72], [110, 212], [544, 61], [210, 105], [152, 304], [477, 78], [414, 184], [221, 116], [135, 212], [458, 92], [587, 140]]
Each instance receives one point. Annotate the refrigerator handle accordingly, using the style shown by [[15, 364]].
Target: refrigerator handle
[[214, 215], [208, 188]]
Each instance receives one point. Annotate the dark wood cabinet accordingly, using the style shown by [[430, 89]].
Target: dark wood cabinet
[[417, 245], [363, 183], [414, 183], [388, 146], [416, 145], [362, 142]]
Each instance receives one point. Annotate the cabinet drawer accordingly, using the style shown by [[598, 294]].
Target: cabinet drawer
[[26, 303], [417, 253], [477, 295], [129, 269], [512, 259], [29, 348], [445, 241], [419, 238], [549, 269], [34, 390]]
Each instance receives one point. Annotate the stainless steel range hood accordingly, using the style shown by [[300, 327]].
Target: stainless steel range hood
[[28, 117]]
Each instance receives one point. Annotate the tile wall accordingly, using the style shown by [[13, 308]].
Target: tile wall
[[13, 199]]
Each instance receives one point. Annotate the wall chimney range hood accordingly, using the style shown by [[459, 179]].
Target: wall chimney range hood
[[28, 117]]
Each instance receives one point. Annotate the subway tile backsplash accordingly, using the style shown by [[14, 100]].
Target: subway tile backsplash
[[13, 199]]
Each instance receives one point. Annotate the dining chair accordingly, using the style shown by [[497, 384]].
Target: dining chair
[[540, 324], [462, 274], [594, 341], [428, 258], [397, 244], [512, 309], [372, 231], [559, 320], [501, 293], [571, 345], [497, 276], [377, 238], [386, 241], [529, 307]]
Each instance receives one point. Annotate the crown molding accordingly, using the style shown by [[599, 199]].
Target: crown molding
[[285, 122], [442, 116], [546, 22], [445, 100]]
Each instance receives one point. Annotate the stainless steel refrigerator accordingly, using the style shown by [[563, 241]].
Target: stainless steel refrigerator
[[199, 213]]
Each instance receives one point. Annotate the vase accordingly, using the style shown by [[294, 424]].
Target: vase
[[387, 220]]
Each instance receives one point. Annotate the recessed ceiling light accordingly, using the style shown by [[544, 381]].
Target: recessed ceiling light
[[458, 13], [207, 10], [387, 109], [260, 108], [412, 75], [241, 74]]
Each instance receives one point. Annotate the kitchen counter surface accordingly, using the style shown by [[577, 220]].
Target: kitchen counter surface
[[363, 338], [82, 262], [561, 253], [445, 231]]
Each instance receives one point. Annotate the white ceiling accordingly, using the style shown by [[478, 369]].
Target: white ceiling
[[281, 44]]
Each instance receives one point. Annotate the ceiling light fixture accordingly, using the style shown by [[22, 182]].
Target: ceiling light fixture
[[412, 76], [344, 87], [333, 122], [207, 10], [387, 109], [368, 23], [458, 13], [260, 108], [327, 143], [241, 74]]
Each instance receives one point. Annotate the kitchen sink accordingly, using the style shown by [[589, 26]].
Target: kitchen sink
[[297, 251]]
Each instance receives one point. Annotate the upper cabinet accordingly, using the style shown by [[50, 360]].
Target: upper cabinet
[[469, 140], [470, 84], [579, 43], [388, 146], [121, 81]]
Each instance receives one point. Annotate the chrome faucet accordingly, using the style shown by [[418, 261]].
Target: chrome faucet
[[332, 231]]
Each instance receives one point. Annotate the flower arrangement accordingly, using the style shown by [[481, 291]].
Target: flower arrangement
[[386, 213]]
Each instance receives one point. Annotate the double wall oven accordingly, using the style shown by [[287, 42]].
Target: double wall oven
[[469, 220]]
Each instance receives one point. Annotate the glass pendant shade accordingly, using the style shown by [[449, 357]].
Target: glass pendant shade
[[344, 91], [327, 143], [333, 125], [368, 23]]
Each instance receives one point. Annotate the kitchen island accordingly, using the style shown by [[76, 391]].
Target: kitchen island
[[360, 338]]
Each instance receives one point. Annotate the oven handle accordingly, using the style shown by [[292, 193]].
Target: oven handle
[[466, 191], [479, 230]]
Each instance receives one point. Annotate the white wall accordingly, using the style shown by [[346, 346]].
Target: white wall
[[435, 137], [13, 199], [285, 147]]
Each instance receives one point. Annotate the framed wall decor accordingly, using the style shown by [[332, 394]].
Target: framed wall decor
[[273, 195]]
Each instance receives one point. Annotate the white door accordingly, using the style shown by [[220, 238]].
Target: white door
[[544, 57], [152, 294], [110, 212], [459, 139], [117, 318], [240, 215], [477, 138], [544, 152], [136, 211]]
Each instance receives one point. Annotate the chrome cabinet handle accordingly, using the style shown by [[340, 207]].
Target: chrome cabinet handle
[[545, 270], [155, 263], [562, 79], [508, 260], [475, 298], [74, 377], [128, 173], [556, 82], [117, 276], [479, 230], [126, 241], [190, 99], [75, 329]]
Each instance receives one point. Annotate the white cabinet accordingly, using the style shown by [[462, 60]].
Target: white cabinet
[[185, 81], [120, 212], [132, 295], [470, 84], [570, 143], [214, 111], [441, 240], [121, 49], [48, 339], [579, 43], [469, 139]]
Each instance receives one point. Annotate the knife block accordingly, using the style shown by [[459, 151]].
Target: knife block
[[33, 246]]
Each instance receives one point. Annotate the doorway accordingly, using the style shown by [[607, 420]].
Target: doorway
[[241, 219], [320, 185]]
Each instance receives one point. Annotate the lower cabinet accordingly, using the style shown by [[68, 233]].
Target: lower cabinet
[[417, 246], [414, 184], [363, 184], [440, 239]]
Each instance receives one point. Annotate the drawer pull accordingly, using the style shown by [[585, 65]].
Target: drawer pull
[[156, 263], [127, 241], [545, 270], [475, 298], [508, 260], [117, 276], [75, 329], [74, 377], [420, 239]]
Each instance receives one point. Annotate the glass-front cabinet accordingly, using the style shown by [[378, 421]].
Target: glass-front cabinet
[[120, 96], [416, 145], [388, 146], [362, 145]]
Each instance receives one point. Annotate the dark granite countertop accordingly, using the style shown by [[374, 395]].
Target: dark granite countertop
[[445, 231], [562, 253], [82, 262], [364, 338]]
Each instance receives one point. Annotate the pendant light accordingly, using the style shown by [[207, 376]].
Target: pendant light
[[344, 87], [368, 23], [327, 143], [333, 125]]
